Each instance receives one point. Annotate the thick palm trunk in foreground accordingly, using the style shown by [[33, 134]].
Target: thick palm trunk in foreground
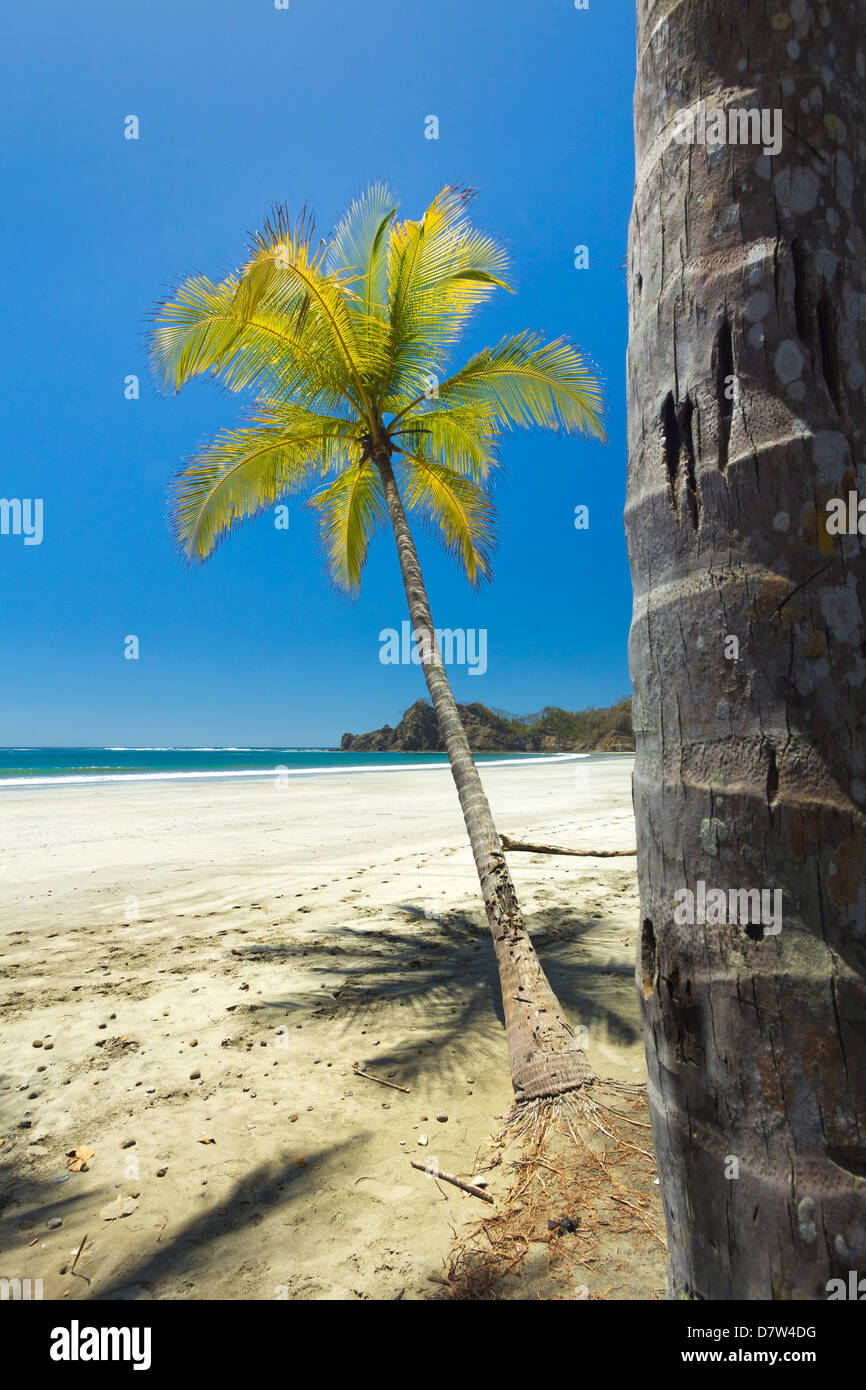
[[545, 1059], [747, 363]]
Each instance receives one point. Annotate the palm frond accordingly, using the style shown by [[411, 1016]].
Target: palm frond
[[526, 381], [456, 510], [230, 332], [244, 471], [439, 271], [359, 247], [463, 438], [287, 273], [350, 511]]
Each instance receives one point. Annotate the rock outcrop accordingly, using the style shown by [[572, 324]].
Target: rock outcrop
[[557, 731]]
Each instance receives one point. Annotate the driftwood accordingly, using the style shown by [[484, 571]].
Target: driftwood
[[555, 849], [357, 1070], [446, 1177]]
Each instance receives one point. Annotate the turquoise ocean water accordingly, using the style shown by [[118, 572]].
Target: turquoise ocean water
[[56, 766]]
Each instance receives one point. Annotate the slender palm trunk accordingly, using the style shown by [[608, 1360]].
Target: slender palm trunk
[[746, 416], [545, 1059]]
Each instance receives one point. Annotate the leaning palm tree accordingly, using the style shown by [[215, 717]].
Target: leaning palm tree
[[344, 346]]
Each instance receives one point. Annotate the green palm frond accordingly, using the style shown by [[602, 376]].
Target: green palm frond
[[350, 511], [463, 438], [359, 248], [456, 510], [439, 271], [525, 381], [290, 276], [195, 332], [216, 329], [242, 472]]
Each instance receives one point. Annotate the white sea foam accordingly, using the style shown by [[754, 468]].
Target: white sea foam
[[93, 779]]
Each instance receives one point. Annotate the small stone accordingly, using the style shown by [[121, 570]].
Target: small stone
[[470, 1081], [54, 1224], [37, 1042], [128, 1144], [294, 1117], [149, 1090], [194, 1042], [103, 1025], [442, 1119], [422, 1140], [161, 1172], [48, 1047], [194, 1075]]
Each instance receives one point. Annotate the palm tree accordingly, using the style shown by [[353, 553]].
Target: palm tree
[[344, 344], [746, 418]]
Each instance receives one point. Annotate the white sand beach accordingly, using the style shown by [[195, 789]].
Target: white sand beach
[[191, 961]]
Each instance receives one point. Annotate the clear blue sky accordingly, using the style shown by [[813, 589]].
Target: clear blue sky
[[241, 105]]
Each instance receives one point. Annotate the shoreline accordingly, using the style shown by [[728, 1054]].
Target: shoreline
[[281, 771]]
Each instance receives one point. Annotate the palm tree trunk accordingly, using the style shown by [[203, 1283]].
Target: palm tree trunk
[[745, 381], [545, 1059]]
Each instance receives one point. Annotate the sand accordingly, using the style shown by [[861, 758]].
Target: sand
[[205, 961]]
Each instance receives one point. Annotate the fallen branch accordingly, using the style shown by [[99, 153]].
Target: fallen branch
[[556, 849], [357, 1070], [446, 1177]]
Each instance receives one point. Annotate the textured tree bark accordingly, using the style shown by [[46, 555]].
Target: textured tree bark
[[544, 1056], [746, 381]]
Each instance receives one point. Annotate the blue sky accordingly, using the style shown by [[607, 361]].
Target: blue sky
[[241, 105]]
